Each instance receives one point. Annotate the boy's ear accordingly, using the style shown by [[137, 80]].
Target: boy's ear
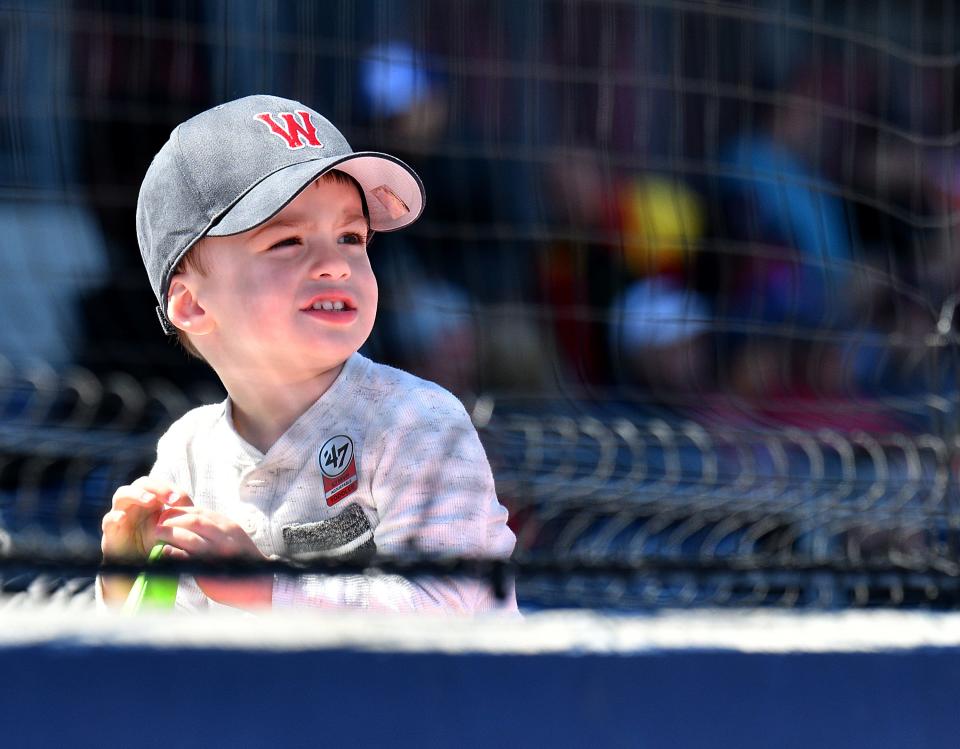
[[184, 309]]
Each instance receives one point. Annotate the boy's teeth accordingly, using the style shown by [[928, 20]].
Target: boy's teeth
[[327, 305]]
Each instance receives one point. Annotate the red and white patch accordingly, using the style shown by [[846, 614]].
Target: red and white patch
[[295, 134], [339, 469]]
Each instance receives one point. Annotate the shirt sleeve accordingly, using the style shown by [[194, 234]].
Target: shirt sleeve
[[434, 495]]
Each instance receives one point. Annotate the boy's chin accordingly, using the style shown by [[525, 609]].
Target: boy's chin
[[322, 358], [336, 343]]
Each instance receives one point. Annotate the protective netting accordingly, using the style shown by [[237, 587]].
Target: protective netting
[[690, 265], [644, 508]]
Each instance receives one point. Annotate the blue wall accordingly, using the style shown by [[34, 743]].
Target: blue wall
[[72, 696]]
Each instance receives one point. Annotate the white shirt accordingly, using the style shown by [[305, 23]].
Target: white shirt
[[383, 461]]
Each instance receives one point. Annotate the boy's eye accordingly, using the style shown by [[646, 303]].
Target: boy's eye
[[287, 242], [352, 238]]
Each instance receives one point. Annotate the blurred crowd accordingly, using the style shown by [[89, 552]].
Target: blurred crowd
[[629, 198]]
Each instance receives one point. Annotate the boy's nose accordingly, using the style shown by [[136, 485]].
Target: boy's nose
[[327, 261]]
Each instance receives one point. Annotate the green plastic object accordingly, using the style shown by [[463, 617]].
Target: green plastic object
[[154, 592]]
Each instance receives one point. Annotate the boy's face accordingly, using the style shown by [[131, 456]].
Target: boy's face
[[294, 296]]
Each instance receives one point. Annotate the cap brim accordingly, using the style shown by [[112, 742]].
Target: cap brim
[[393, 191]]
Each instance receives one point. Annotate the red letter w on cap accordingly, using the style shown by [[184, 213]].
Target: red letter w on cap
[[294, 130]]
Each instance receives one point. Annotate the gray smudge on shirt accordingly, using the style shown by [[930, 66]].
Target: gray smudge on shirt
[[326, 537]]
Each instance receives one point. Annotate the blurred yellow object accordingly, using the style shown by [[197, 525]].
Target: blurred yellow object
[[662, 222]]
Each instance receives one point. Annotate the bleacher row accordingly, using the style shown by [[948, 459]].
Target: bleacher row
[[756, 513]]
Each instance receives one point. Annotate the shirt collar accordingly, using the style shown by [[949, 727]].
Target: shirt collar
[[288, 448]]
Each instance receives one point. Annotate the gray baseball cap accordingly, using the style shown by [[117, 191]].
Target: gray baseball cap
[[233, 167]]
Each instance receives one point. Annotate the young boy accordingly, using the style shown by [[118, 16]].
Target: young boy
[[253, 222]]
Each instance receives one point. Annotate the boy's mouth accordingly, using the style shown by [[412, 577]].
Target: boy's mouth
[[336, 307], [332, 301]]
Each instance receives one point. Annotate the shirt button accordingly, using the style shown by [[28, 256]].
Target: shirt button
[[250, 524]]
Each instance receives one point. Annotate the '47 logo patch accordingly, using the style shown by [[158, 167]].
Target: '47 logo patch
[[339, 469]]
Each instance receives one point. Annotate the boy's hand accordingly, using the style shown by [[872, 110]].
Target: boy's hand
[[129, 528], [196, 532]]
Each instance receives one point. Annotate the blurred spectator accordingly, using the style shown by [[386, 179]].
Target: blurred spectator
[[791, 246], [52, 253], [579, 267], [659, 329], [52, 246], [778, 201], [660, 325]]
